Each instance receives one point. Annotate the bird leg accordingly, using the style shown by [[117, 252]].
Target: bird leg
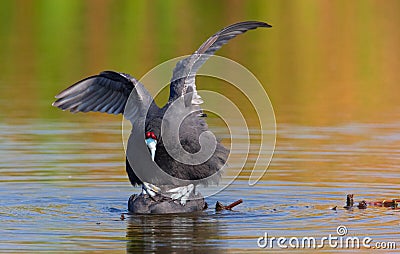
[[182, 193], [150, 189]]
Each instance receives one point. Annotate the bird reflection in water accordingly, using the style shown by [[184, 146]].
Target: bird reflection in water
[[198, 232]]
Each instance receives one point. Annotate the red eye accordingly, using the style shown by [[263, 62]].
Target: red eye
[[151, 134]]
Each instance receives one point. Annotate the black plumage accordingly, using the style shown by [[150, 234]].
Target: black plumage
[[109, 91]]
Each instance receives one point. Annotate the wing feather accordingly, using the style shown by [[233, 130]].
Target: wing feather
[[104, 100], [113, 100], [186, 69], [106, 92]]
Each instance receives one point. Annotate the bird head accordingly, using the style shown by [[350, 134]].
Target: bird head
[[151, 142], [152, 134]]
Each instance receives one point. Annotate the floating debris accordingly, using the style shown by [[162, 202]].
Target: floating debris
[[219, 206], [349, 201], [362, 205], [393, 203]]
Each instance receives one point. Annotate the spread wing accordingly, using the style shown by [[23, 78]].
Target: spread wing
[[183, 77], [107, 92]]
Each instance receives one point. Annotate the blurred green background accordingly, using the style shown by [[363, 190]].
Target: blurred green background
[[323, 62], [330, 68]]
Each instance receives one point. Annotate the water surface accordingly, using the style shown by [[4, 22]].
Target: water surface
[[331, 69], [63, 186]]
